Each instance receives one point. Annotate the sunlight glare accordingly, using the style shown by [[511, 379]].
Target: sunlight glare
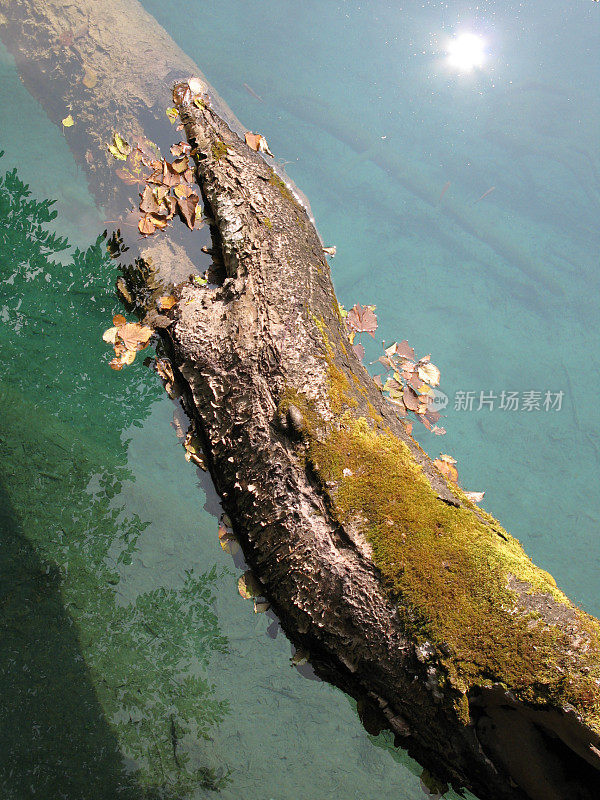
[[466, 51]]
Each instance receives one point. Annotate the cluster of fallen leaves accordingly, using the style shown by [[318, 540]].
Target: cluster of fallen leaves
[[411, 383], [167, 187], [447, 466], [127, 338]]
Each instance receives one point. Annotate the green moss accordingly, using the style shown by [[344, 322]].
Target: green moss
[[276, 181], [447, 568], [218, 149]]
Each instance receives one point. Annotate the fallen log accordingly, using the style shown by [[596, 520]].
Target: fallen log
[[405, 594]]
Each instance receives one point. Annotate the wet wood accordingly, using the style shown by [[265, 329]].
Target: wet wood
[[270, 382]]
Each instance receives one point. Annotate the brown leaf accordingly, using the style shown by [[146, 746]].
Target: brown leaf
[[146, 226], [377, 381], [116, 363], [180, 149], [149, 203], [387, 362], [252, 140], [160, 222], [133, 334], [166, 302], [362, 319], [411, 399], [180, 165], [170, 177], [171, 206], [402, 349], [187, 209], [448, 470], [182, 190], [118, 320], [188, 176]]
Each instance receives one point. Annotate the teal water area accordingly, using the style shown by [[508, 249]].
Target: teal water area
[[130, 665]]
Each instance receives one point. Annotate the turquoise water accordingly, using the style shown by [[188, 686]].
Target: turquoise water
[[131, 666]]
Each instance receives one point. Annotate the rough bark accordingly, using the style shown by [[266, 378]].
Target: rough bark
[[509, 709], [273, 384]]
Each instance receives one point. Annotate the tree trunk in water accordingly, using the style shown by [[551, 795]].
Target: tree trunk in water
[[405, 594]]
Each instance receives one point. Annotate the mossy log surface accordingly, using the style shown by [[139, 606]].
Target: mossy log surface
[[404, 592]]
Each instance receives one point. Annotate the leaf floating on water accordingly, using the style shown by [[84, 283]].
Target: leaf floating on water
[[180, 149], [134, 334], [187, 208], [159, 221], [411, 399], [119, 320], [68, 121], [90, 79], [228, 541], [172, 114], [447, 459], [146, 226], [167, 302], [116, 364], [362, 319], [128, 357], [256, 141], [122, 146], [182, 190], [180, 164], [149, 203], [445, 464], [475, 497], [249, 586], [110, 335], [260, 606], [252, 140], [428, 372], [402, 349], [114, 151]]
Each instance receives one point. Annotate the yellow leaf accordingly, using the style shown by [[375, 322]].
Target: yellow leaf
[[429, 372], [68, 122], [114, 151], [122, 146], [172, 114], [128, 357], [110, 335], [248, 586], [166, 303]]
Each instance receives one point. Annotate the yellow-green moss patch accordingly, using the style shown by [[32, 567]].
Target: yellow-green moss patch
[[449, 571], [218, 149]]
